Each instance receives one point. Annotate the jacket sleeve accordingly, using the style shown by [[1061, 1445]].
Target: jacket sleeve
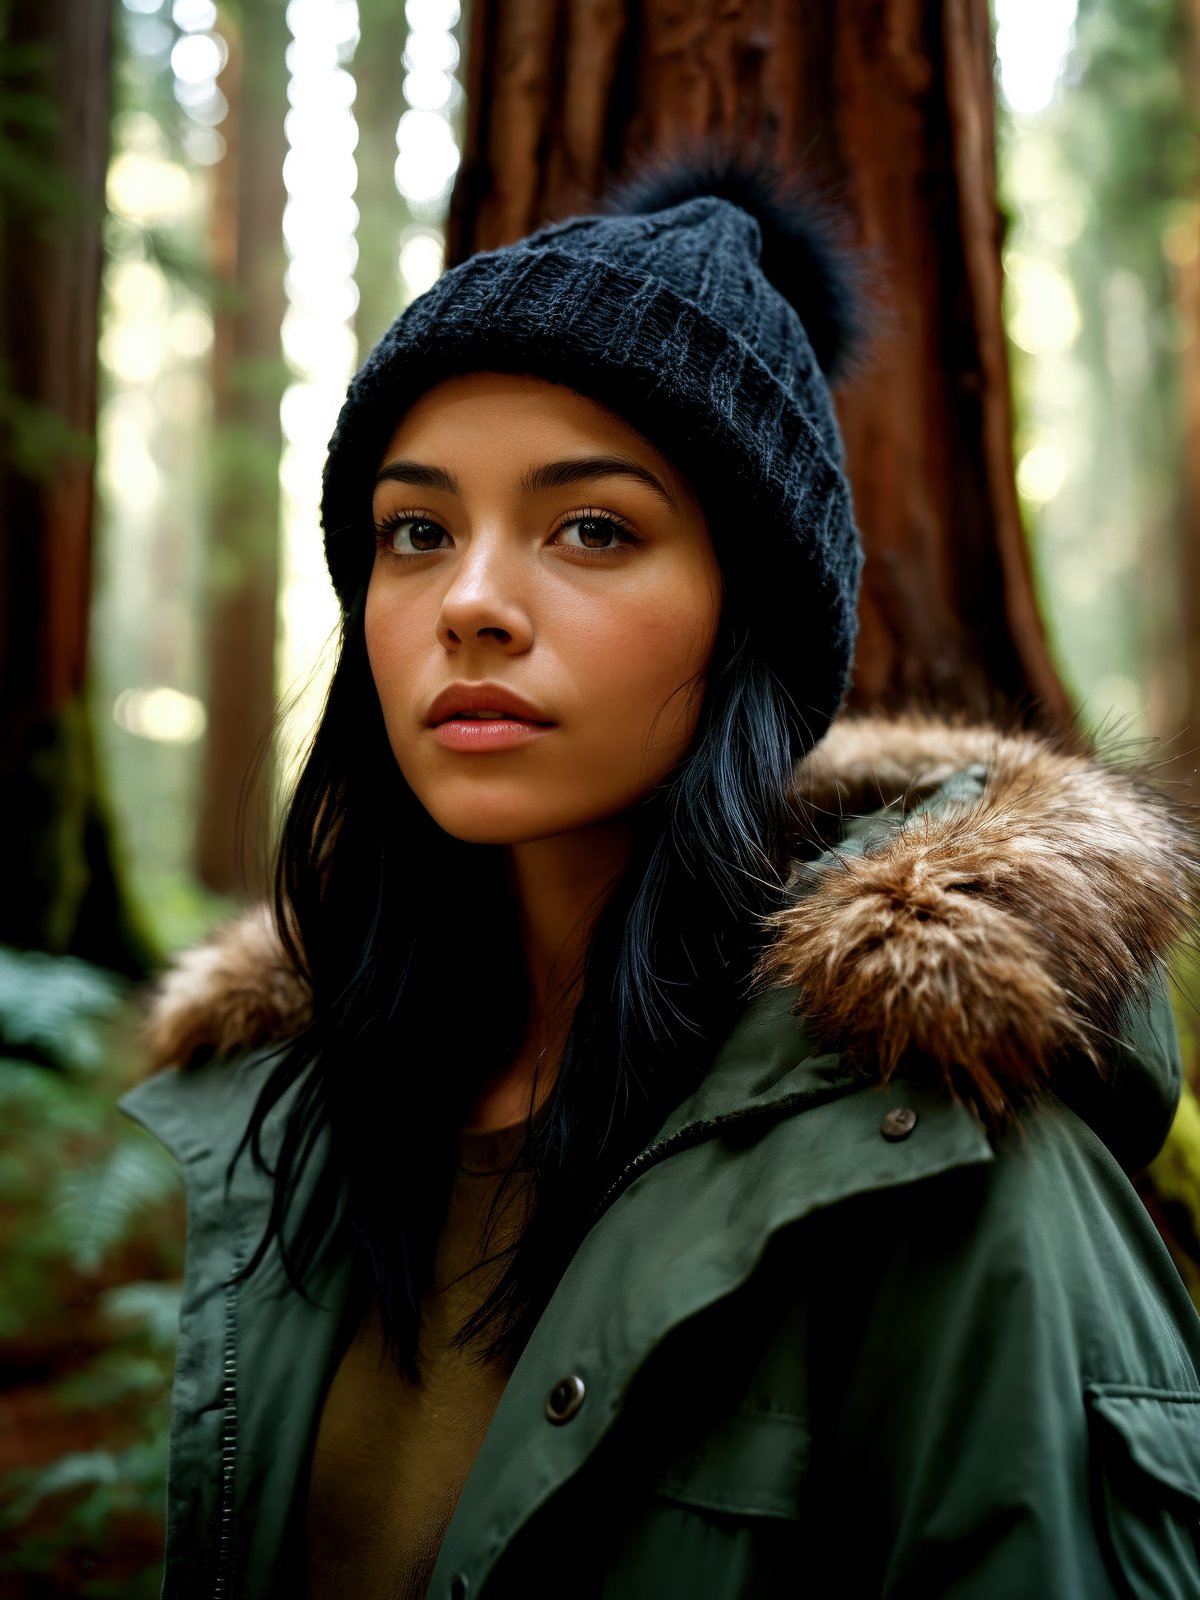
[[1014, 1396]]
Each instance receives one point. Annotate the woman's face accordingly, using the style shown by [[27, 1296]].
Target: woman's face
[[543, 603]]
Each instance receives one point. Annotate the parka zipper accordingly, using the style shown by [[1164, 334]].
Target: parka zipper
[[684, 1138], [222, 1588], [228, 1445], [696, 1132]]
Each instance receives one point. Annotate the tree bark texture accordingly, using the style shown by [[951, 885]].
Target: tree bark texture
[[61, 892], [887, 106], [233, 831]]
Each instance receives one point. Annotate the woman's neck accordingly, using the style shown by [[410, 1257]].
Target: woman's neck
[[560, 885]]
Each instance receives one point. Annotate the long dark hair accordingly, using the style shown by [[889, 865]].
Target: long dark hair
[[409, 939]]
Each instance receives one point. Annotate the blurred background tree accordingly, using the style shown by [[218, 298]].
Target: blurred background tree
[[64, 890], [234, 819], [1100, 182], [278, 182]]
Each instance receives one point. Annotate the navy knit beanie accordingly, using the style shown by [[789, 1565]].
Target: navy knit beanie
[[704, 305]]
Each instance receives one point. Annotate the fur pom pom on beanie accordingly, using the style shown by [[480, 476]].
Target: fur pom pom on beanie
[[709, 306]]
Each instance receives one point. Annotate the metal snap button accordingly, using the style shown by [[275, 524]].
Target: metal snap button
[[565, 1399], [899, 1123]]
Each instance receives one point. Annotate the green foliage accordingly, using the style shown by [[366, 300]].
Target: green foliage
[[101, 1204], [82, 1498], [50, 1005], [1176, 1176], [91, 1252]]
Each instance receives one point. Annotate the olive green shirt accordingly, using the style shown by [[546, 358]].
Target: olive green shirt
[[392, 1456]]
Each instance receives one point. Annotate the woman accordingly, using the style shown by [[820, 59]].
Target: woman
[[596, 1186]]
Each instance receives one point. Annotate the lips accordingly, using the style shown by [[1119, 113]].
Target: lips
[[481, 702]]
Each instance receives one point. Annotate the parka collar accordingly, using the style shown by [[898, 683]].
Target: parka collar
[[990, 924]]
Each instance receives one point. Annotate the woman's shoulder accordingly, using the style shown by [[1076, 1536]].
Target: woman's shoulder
[[212, 1025], [235, 991], [1001, 917], [999, 929]]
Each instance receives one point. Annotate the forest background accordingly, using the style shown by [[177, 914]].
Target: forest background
[[208, 213]]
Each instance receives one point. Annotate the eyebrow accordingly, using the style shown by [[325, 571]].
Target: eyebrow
[[551, 475]]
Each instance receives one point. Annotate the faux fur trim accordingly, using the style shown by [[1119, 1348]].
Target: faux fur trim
[[994, 939], [865, 762], [235, 992], [991, 940]]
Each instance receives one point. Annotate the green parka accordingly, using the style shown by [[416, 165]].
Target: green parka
[[827, 1334]]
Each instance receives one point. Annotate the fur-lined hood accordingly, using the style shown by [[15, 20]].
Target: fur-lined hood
[[992, 926]]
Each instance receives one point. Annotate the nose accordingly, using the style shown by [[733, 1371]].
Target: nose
[[483, 604]]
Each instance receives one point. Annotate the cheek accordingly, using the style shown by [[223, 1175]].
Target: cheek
[[651, 648], [392, 630], [617, 662], [635, 666]]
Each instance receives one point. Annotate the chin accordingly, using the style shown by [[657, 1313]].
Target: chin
[[503, 828], [477, 821], [480, 818], [497, 808]]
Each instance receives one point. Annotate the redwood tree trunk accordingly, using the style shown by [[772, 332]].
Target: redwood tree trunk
[[61, 891], [233, 835], [888, 104]]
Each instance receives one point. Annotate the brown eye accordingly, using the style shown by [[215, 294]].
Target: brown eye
[[592, 533], [407, 536]]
